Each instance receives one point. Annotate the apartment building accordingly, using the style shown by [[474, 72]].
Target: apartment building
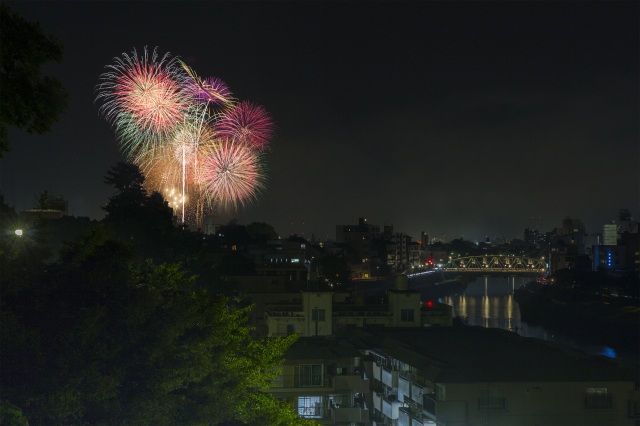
[[325, 313], [322, 380], [477, 376]]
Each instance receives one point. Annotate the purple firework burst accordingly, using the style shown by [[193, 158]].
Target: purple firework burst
[[212, 90]]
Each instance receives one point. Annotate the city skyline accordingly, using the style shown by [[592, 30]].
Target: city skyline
[[463, 119]]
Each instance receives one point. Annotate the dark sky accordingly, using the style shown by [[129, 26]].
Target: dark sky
[[455, 118]]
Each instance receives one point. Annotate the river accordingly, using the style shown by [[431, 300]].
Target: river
[[488, 302]]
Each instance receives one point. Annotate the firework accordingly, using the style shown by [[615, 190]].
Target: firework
[[164, 117], [172, 168], [210, 90], [247, 123], [143, 98], [232, 173]]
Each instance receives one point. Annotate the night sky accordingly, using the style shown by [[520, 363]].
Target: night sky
[[453, 118]]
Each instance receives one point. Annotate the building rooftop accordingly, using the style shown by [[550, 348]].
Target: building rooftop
[[309, 348], [478, 354]]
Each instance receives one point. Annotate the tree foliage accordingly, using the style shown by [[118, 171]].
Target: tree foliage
[[104, 337], [29, 101], [136, 216]]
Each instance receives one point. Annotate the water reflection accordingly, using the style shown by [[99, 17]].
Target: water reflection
[[488, 302]]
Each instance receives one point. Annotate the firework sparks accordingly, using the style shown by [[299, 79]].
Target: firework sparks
[[164, 118], [143, 98], [248, 123], [232, 174], [209, 90]]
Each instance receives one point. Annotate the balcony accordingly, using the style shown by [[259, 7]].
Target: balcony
[[349, 415], [390, 408], [416, 392], [410, 417], [389, 377], [429, 403]]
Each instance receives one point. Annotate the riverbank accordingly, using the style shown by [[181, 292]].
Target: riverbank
[[595, 319]]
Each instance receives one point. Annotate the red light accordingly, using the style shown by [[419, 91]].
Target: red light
[[429, 304]]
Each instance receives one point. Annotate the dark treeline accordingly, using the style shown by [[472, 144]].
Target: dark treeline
[[116, 327], [592, 306]]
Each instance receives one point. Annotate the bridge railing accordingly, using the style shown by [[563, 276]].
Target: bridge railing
[[507, 264]]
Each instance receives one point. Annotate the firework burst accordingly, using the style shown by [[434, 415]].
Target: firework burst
[[143, 98], [248, 123], [166, 121], [172, 168], [232, 174], [210, 90]]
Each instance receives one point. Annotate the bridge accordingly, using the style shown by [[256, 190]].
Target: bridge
[[496, 264]]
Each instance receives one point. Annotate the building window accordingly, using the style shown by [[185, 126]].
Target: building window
[[311, 375], [310, 407], [597, 398], [492, 399], [407, 315], [317, 314]]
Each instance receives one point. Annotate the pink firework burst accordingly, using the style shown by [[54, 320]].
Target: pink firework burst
[[231, 174], [143, 96], [248, 123]]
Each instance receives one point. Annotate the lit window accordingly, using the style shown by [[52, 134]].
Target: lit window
[[310, 407]]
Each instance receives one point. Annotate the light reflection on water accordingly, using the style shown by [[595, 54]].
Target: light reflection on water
[[488, 302]]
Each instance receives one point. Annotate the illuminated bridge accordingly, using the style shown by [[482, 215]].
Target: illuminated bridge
[[496, 264]]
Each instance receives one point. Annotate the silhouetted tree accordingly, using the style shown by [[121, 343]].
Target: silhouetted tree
[[142, 219], [262, 232], [28, 100]]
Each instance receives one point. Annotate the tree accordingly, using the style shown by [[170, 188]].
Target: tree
[[262, 232], [105, 337], [134, 215], [29, 101]]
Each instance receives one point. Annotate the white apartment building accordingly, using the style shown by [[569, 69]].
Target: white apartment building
[[476, 376]]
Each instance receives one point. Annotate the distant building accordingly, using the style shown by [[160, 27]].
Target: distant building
[[363, 231], [49, 208], [325, 313], [210, 225], [366, 248], [610, 234], [566, 244], [403, 252], [620, 248]]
